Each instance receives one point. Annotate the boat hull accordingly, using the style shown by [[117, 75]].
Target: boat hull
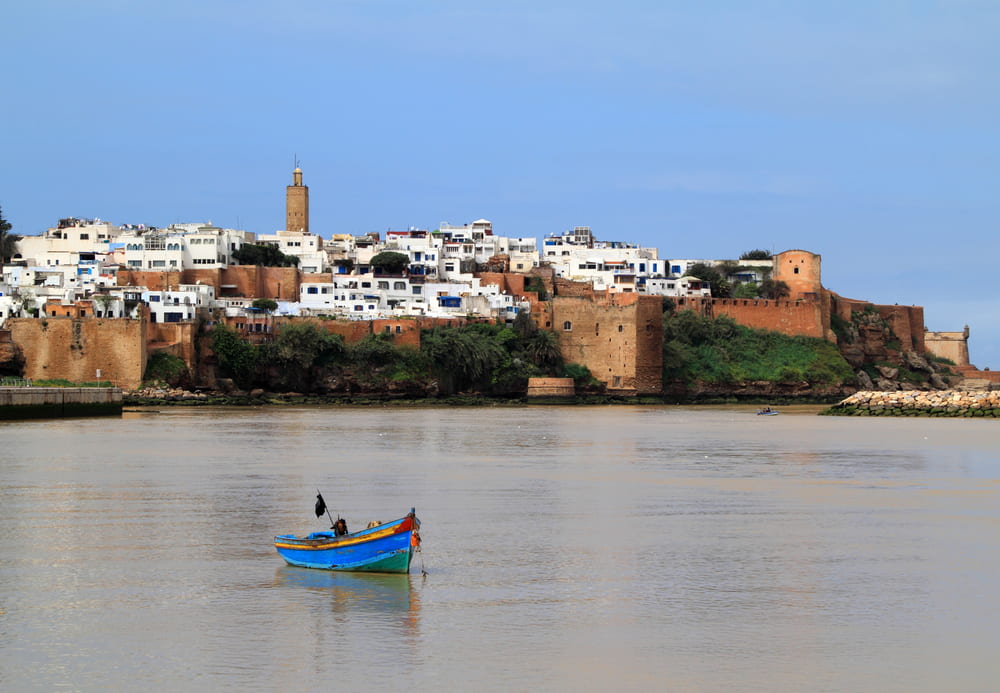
[[386, 548]]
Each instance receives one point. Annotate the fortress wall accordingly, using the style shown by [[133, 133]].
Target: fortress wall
[[907, 323], [793, 318], [620, 344], [75, 348], [175, 338], [154, 281], [280, 283], [565, 287], [404, 332], [949, 345], [508, 282]]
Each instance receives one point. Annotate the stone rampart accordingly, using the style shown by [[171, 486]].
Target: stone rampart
[[551, 387], [55, 402], [916, 403], [82, 350]]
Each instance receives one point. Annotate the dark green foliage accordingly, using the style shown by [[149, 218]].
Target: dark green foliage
[[237, 358], [390, 262], [376, 362], [264, 255], [538, 286], [8, 241], [721, 287], [266, 304], [491, 359], [756, 254], [582, 377], [841, 328], [773, 289], [167, 368], [300, 355], [542, 349], [720, 351]]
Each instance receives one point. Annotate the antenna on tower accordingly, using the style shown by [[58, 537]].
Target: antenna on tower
[[296, 161]]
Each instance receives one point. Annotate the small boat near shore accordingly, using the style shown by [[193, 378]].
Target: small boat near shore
[[379, 548], [767, 411]]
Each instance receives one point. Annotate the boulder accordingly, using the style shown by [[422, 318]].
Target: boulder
[[886, 385], [888, 372], [865, 381], [917, 362], [937, 382]]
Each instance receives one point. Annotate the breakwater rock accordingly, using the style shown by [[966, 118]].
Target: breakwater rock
[[911, 403]]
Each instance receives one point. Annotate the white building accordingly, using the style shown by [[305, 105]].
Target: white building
[[307, 247]]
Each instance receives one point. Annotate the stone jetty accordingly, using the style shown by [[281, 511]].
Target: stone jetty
[[962, 403]]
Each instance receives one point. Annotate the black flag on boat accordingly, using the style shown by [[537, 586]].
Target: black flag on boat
[[320, 505]]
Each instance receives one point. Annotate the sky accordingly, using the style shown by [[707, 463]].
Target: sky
[[866, 132]]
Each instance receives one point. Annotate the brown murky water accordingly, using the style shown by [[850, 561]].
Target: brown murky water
[[613, 548]]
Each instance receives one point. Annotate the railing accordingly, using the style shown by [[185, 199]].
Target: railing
[[15, 382]]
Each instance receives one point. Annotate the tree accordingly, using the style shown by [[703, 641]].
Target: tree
[[300, 353], [8, 241], [237, 357], [264, 255], [268, 305], [721, 287], [756, 254], [463, 357], [542, 348], [772, 289], [390, 262]]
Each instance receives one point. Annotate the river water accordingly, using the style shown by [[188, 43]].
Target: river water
[[566, 548]]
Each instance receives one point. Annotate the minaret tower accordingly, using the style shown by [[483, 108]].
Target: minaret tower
[[297, 203]]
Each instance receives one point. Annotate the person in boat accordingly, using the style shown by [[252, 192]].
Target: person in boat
[[340, 527]]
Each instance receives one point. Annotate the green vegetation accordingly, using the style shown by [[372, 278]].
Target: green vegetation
[[237, 358], [265, 255], [536, 285], [167, 368], [721, 286], [300, 355], [482, 358], [268, 305], [719, 351], [8, 241], [389, 262], [67, 383], [756, 254]]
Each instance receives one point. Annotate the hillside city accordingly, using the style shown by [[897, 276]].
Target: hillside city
[[186, 273]]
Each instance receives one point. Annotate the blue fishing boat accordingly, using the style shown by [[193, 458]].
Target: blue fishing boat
[[379, 548], [767, 411]]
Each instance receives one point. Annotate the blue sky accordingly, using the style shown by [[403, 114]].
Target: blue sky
[[867, 132]]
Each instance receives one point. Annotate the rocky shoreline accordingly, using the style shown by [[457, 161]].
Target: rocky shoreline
[[945, 403]]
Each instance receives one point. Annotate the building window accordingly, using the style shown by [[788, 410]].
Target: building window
[[312, 290], [84, 236], [399, 286], [620, 328], [383, 285], [567, 326], [417, 290], [795, 271]]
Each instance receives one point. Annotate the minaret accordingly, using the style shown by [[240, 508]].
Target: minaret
[[297, 204]]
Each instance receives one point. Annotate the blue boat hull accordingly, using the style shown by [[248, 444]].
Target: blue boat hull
[[386, 548]]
